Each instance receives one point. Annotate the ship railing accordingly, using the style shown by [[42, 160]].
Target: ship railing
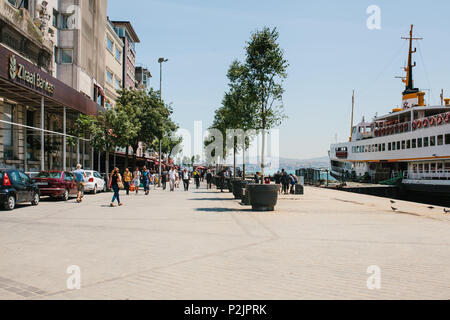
[[429, 176], [392, 128]]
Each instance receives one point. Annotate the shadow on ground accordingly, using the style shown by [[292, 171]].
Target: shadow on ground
[[222, 210], [212, 199]]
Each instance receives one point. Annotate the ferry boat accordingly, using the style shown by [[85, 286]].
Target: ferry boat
[[409, 146]]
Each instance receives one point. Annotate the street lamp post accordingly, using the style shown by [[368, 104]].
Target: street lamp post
[[160, 61]]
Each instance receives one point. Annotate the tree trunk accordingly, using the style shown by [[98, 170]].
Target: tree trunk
[[107, 167], [126, 158], [262, 154], [243, 161], [234, 161]]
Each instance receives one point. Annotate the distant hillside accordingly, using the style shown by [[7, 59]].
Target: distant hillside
[[293, 164]]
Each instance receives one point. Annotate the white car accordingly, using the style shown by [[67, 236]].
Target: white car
[[94, 182]]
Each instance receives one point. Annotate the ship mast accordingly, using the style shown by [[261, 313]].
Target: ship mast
[[411, 96], [353, 112]]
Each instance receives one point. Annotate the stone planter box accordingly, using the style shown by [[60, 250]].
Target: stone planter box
[[238, 187], [299, 189], [263, 197], [245, 199]]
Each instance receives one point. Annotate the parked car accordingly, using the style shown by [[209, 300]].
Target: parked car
[[95, 182], [32, 174], [56, 184], [16, 187]]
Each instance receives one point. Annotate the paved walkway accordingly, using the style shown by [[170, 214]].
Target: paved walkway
[[204, 245]]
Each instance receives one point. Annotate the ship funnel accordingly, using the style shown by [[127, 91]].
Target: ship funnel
[[447, 102]]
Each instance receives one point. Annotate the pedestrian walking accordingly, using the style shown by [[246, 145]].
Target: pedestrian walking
[[164, 180], [293, 183], [209, 178], [173, 176], [285, 181], [80, 176], [277, 178], [115, 182], [127, 177], [137, 179], [222, 179], [197, 179], [186, 179], [146, 177]]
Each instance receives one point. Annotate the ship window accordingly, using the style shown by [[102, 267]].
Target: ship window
[[440, 167], [433, 168], [426, 168], [447, 167], [426, 142], [415, 168], [403, 145], [420, 168], [408, 144], [414, 143], [399, 145], [384, 147], [440, 140], [447, 139], [380, 148], [419, 143], [432, 141]]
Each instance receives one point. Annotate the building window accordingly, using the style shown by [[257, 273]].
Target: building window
[[66, 56], [109, 44], [65, 21], [118, 55], [109, 76], [440, 140], [447, 139], [118, 86], [432, 141], [55, 18], [8, 134]]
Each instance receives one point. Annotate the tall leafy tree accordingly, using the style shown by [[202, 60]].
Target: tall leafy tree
[[264, 73]]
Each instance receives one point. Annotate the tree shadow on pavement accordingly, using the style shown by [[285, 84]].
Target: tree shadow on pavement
[[212, 199], [221, 210]]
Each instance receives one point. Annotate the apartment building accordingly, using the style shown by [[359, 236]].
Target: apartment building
[[114, 64], [126, 32], [37, 109]]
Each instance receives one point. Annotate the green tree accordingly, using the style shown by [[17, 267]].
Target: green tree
[[264, 71], [150, 119]]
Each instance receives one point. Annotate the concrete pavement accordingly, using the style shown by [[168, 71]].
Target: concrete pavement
[[204, 245]]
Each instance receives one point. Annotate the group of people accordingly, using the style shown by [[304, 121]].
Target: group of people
[[132, 181], [286, 181]]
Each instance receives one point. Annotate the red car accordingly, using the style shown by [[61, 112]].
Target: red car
[[56, 184]]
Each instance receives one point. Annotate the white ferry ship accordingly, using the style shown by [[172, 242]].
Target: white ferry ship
[[410, 146]]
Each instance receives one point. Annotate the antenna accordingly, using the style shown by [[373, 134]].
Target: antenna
[[442, 97]]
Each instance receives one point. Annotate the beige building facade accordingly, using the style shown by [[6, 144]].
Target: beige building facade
[[114, 65]]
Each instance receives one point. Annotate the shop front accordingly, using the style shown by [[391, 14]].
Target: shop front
[[37, 116]]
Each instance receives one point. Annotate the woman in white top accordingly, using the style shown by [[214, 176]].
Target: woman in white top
[[137, 179]]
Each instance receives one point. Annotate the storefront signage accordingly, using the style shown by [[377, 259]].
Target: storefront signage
[[18, 71]]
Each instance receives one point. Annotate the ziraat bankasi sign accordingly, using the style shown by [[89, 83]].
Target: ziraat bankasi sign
[[18, 71]]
